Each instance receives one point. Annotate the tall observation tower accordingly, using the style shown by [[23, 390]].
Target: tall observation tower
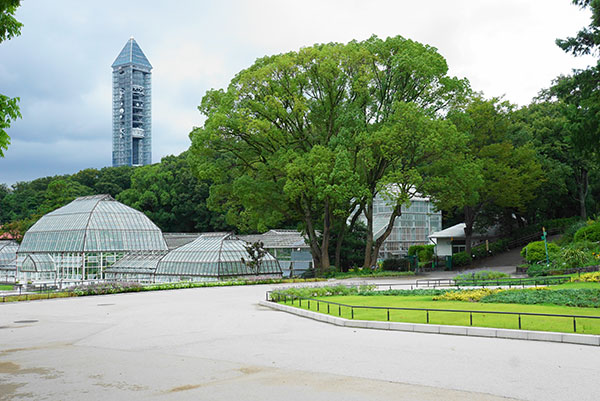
[[132, 112]]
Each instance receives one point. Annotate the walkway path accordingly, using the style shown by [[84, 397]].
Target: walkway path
[[218, 344]]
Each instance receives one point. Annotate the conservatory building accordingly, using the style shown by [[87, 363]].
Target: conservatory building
[[8, 260], [210, 257], [81, 239], [418, 220]]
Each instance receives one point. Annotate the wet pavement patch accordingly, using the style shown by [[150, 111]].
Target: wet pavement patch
[[105, 304], [26, 321]]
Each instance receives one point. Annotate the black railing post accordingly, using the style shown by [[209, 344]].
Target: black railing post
[[317, 306], [519, 322], [300, 302], [339, 310], [328, 309], [388, 315], [574, 326], [309, 304], [427, 316], [471, 318], [352, 312]]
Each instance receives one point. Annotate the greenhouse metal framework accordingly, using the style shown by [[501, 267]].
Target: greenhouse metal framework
[[211, 257], [8, 260], [80, 240]]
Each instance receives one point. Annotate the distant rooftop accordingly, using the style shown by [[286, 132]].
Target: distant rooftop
[[278, 238]]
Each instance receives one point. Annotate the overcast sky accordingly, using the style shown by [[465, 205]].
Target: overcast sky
[[60, 65]]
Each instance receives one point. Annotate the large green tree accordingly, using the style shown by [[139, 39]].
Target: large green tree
[[283, 142], [545, 125], [580, 96], [510, 175], [9, 109], [172, 197]]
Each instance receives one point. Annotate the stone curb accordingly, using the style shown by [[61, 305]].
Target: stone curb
[[581, 339]]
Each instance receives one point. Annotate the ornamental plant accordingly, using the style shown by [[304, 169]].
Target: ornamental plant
[[536, 251]]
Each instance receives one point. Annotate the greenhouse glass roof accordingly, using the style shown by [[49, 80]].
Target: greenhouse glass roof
[[136, 263], [93, 224], [214, 255], [8, 253], [41, 262]]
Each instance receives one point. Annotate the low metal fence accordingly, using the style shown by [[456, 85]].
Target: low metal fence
[[505, 281], [328, 304]]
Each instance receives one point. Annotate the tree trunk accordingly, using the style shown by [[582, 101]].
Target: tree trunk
[[346, 228], [338, 247], [469, 222], [369, 242], [583, 189], [397, 212], [312, 236], [325, 241]]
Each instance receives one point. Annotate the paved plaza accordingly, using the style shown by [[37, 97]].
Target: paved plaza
[[219, 344]]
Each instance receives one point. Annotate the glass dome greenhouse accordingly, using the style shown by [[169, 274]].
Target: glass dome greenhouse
[[86, 236], [8, 260], [211, 257]]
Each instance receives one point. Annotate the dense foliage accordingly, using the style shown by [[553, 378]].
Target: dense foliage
[[580, 297], [167, 192], [9, 108], [536, 251]]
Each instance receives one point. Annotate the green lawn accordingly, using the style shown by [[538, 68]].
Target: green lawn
[[4, 287], [577, 285], [540, 323]]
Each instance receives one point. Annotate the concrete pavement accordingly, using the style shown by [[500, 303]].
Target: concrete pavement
[[219, 344]]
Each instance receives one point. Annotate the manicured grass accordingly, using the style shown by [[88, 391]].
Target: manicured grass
[[539, 323], [4, 287], [578, 285]]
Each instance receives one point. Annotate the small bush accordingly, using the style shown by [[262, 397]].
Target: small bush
[[426, 254], [570, 231], [396, 264], [587, 278], [466, 295], [590, 232], [540, 269], [572, 258], [324, 291], [414, 249], [579, 297], [481, 275], [460, 259], [536, 251]]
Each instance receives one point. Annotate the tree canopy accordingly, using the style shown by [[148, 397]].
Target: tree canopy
[[284, 141], [9, 108]]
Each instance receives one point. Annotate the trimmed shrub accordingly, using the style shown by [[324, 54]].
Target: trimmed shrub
[[481, 275], [466, 295], [396, 264], [579, 297], [426, 254], [460, 259], [570, 231], [590, 232], [593, 277], [536, 251], [414, 249]]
